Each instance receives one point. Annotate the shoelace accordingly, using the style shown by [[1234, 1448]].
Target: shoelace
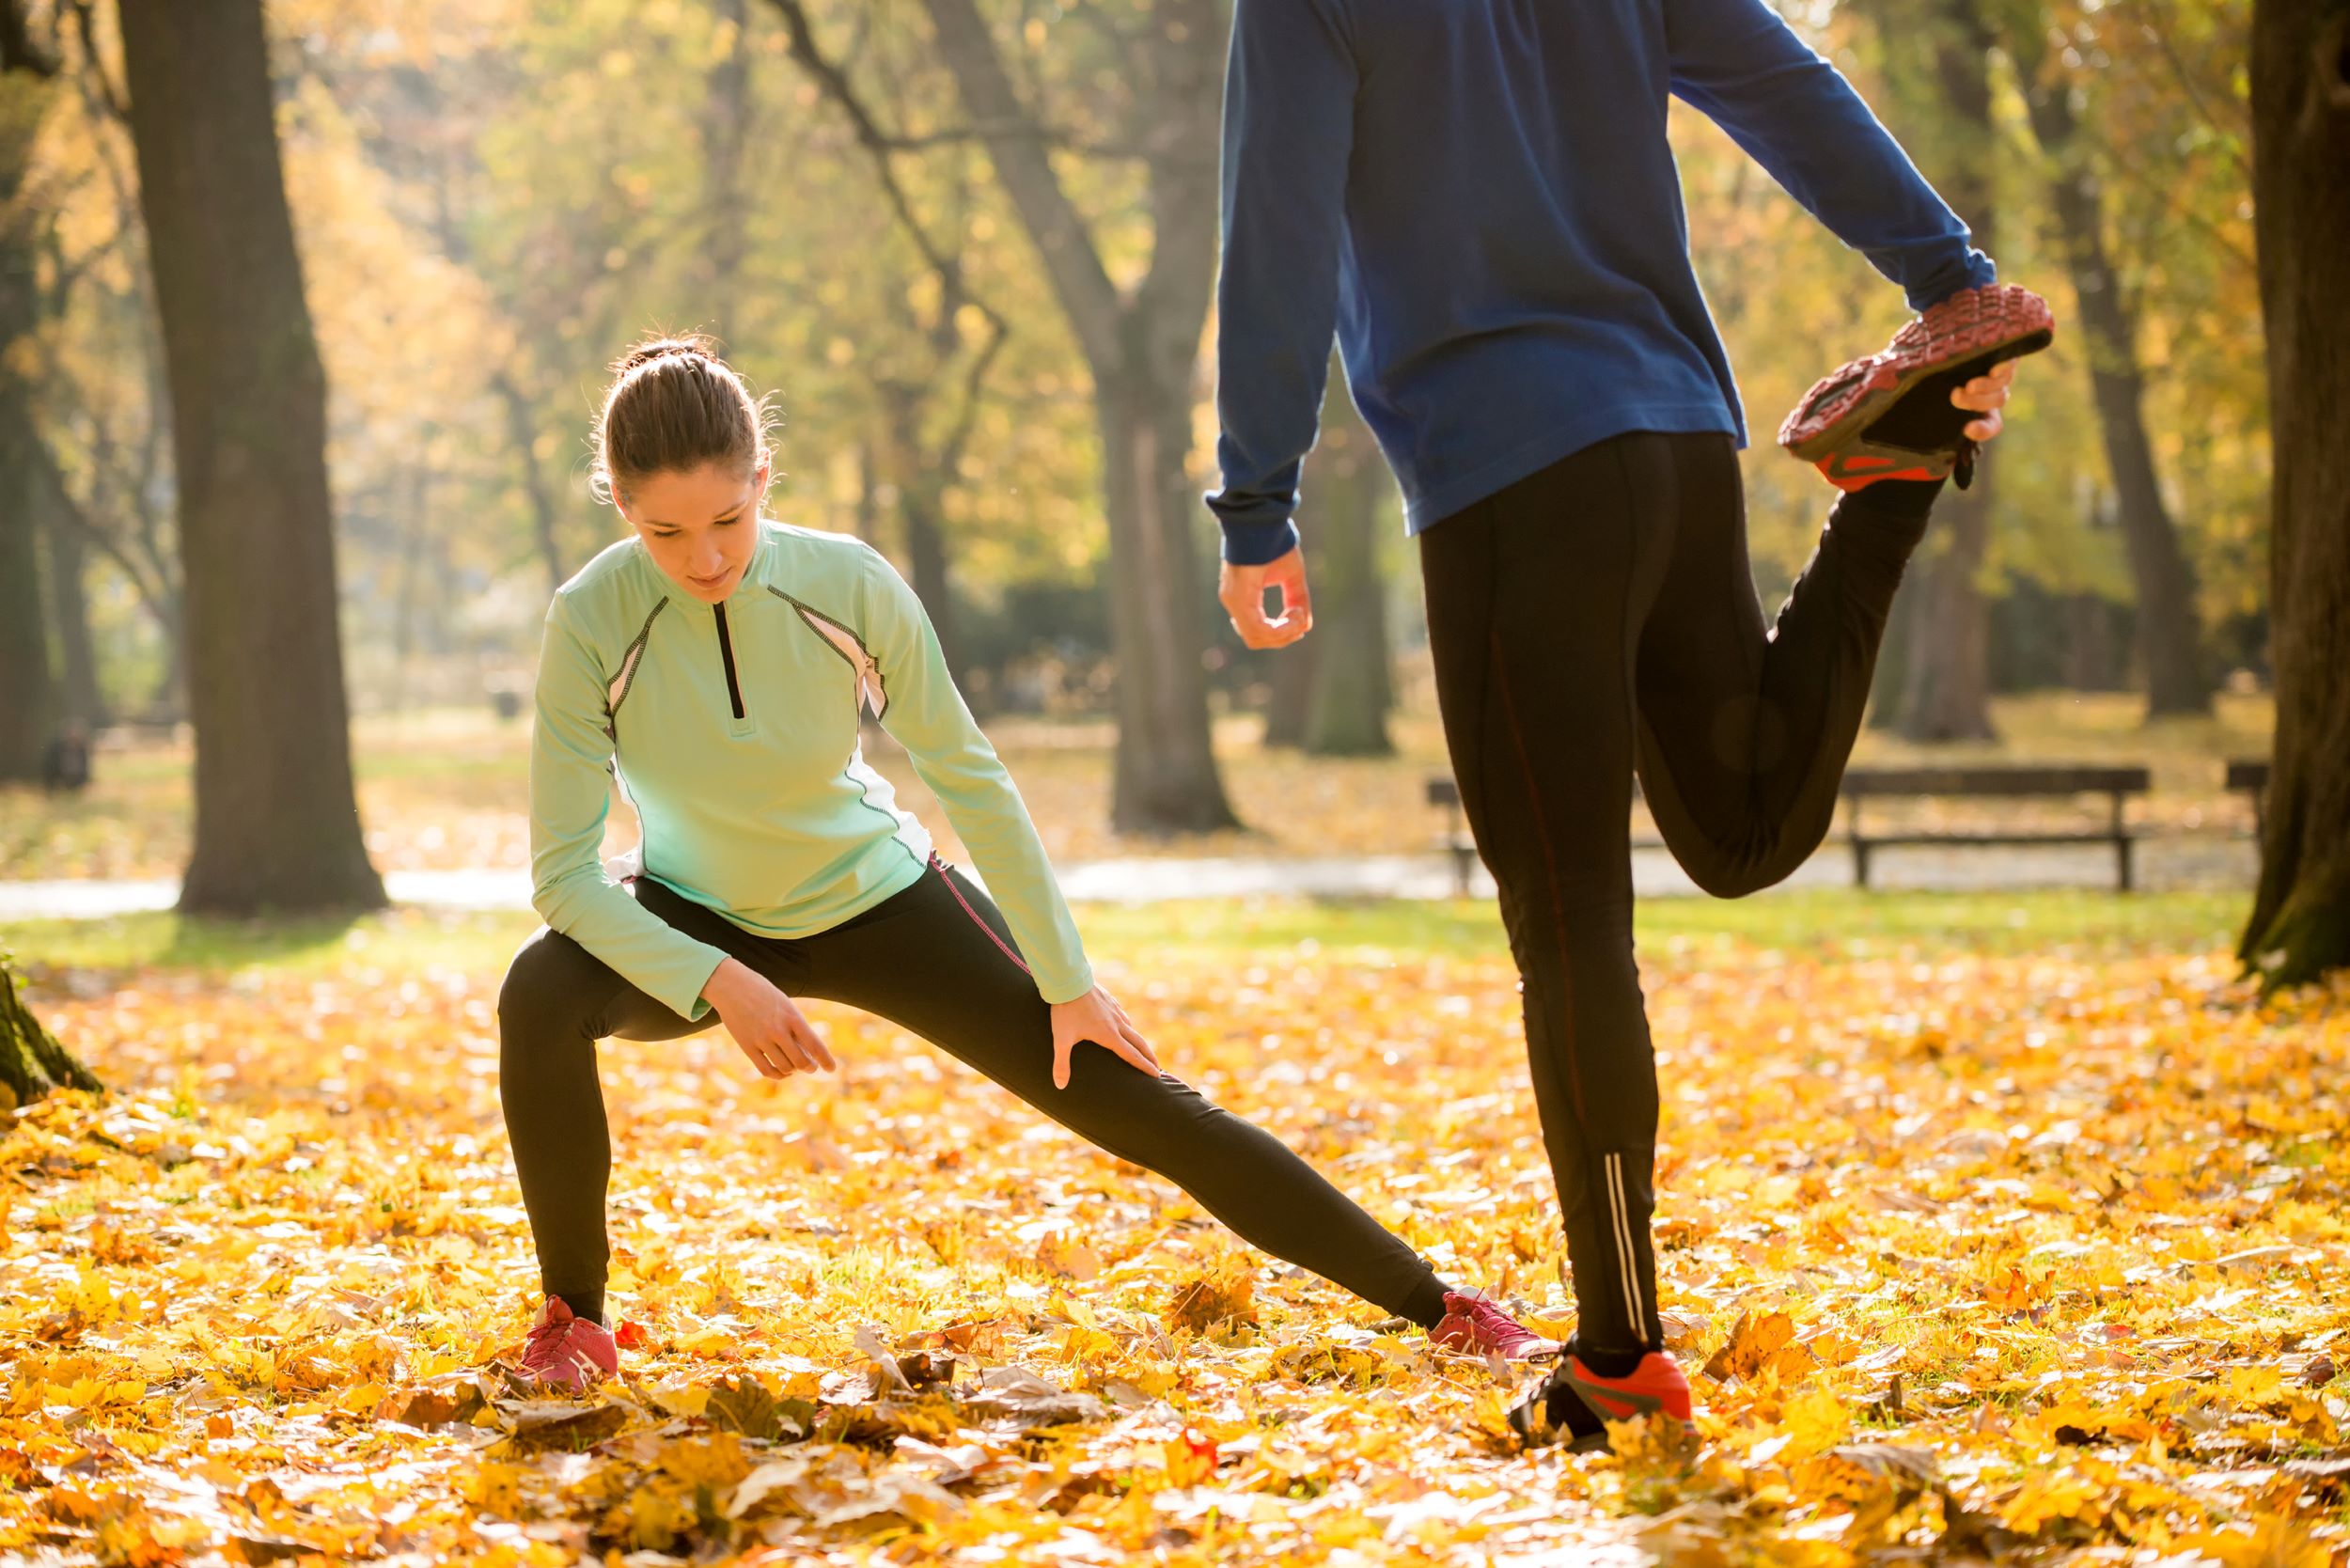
[[541, 1337], [1497, 1325]]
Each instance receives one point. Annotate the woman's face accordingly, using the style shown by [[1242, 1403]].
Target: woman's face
[[700, 525]]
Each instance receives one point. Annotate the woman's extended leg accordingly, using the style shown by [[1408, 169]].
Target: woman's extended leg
[[938, 959]]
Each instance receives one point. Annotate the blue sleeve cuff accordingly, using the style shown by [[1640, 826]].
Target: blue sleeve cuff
[[1974, 271], [1257, 543]]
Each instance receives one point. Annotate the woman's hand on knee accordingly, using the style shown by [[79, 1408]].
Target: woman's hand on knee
[[1097, 1016], [766, 1023]]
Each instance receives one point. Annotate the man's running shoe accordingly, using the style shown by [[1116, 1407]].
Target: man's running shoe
[[1474, 1325], [566, 1352], [1889, 416], [1574, 1404]]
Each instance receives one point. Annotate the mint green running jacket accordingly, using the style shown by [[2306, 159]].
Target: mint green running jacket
[[735, 730]]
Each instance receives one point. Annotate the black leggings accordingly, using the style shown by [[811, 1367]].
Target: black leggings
[[1600, 615], [937, 959]]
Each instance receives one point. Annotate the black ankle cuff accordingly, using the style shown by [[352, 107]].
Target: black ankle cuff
[[584, 1304], [1905, 500], [1426, 1308]]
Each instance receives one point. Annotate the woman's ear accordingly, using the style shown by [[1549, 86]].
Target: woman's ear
[[766, 471]]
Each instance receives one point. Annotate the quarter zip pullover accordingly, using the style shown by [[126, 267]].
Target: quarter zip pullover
[[726, 654], [746, 770]]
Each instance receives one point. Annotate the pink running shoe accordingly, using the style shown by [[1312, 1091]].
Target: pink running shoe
[[1473, 1325], [566, 1352], [1889, 416]]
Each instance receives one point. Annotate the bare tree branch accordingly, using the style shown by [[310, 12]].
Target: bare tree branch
[[156, 593], [18, 51], [1062, 239], [974, 388], [114, 99], [2229, 139]]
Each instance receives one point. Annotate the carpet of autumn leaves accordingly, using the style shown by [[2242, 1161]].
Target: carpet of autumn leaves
[[1975, 1251]]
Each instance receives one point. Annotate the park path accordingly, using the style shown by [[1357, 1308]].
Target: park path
[[2163, 863]]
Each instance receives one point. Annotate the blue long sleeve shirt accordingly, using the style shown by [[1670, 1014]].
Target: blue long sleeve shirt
[[1476, 196]]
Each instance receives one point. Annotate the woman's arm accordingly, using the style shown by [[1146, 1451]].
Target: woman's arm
[[920, 706], [571, 782]]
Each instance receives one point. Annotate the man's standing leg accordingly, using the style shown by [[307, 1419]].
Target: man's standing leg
[[1536, 599]]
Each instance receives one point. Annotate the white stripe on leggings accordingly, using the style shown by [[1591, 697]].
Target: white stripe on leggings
[[1620, 1214]]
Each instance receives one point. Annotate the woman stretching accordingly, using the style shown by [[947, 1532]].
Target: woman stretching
[[718, 663]]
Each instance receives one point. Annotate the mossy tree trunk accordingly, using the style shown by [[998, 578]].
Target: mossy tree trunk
[[31, 1061]]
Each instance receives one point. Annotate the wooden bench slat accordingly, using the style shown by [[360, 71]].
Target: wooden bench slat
[[1866, 782], [2006, 839]]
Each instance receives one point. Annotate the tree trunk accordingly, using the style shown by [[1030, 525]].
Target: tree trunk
[[1347, 715], [921, 507], [2300, 923], [1946, 693], [1946, 685], [31, 1061], [1143, 349], [27, 687], [69, 605], [277, 819], [521, 433], [1289, 692], [1164, 776], [726, 125], [2170, 634], [29, 708]]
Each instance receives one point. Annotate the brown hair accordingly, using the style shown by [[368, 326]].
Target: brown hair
[[675, 405]]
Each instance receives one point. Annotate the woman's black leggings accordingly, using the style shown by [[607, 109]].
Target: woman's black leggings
[[939, 959], [1596, 617]]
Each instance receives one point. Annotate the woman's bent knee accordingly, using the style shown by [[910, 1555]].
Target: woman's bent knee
[[550, 979]]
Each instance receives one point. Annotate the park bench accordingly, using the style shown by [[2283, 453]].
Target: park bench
[[1444, 792], [1995, 781]]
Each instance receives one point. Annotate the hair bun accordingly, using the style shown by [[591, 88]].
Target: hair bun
[[691, 346]]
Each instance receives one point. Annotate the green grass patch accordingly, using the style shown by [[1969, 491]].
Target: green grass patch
[[1827, 923], [401, 939]]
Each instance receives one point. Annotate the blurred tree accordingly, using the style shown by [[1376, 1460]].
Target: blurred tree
[[277, 824], [937, 312], [726, 126], [1159, 67], [80, 698], [2168, 627], [1945, 692], [1331, 693], [28, 91], [103, 461], [2300, 922]]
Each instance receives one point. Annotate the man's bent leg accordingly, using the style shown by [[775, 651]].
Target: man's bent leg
[[1745, 730]]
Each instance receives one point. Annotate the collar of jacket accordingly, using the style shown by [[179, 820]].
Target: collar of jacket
[[754, 579]]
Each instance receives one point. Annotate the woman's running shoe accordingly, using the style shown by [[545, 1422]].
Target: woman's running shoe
[[1574, 1404], [566, 1353], [1889, 416], [1473, 1325]]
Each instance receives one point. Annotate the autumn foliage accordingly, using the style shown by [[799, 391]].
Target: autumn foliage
[[2034, 1253]]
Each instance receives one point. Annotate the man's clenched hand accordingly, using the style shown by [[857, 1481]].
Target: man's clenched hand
[[1242, 590]]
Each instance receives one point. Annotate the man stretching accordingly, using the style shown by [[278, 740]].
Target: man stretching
[[1478, 198]]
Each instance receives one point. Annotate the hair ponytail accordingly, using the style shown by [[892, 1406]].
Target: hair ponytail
[[675, 406]]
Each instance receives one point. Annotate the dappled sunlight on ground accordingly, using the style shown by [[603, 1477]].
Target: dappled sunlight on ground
[[2022, 1239]]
